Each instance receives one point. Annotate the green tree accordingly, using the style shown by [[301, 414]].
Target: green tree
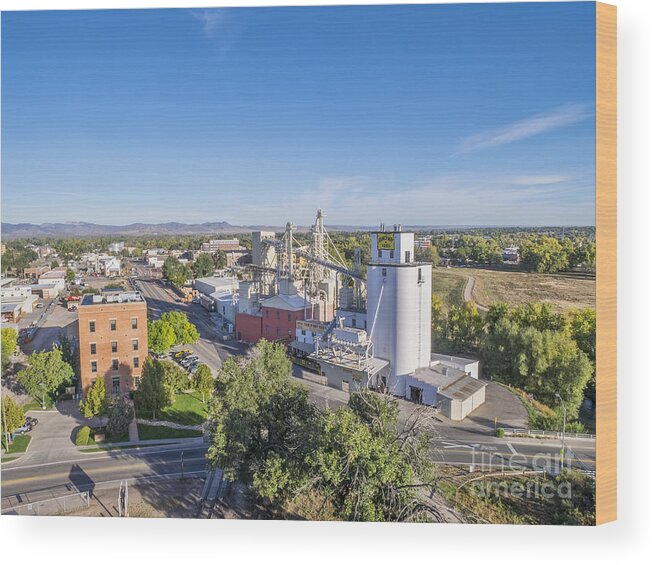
[[185, 332], [54, 264], [11, 415], [120, 417], [70, 275], [70, 352], [153, 394], [464, 326], [203, 266], [96, 401], [174, 377], [175, 271], [203, 381], [45, 373], [9, 343], [220, 260], [546, 255], [267, 432], [161, 336]]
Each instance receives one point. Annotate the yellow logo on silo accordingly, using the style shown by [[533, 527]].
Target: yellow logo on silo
[[386, 241]]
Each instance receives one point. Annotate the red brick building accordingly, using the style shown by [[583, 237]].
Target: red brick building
[[277, 319], [113, 340]]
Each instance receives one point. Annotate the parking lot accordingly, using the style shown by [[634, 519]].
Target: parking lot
[[50, 321]]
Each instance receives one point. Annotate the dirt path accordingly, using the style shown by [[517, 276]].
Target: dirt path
[[468, 293]]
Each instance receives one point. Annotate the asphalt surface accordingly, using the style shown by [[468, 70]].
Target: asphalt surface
[[22, 484]]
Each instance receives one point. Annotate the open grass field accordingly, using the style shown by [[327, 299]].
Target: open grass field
[[449, 284], [563, 291]]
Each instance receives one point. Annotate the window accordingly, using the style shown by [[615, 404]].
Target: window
[[137, 382], [135, 324], [116, 385], [114, 364], [277, 315], [353, 322], [407, 256], [380, 253], [391, 253], [420, 279], [114, 346], [135, 345], [92, 326], [92, 347], [94, 367], [135, 362], [289, 317], [112, 325], [384, 272]]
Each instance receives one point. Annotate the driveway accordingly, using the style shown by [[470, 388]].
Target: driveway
[[53, 438]]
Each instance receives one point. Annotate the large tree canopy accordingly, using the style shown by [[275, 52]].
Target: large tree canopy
[[45, 373], [266, 432]]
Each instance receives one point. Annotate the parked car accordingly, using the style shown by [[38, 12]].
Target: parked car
[[28, 426], [39, 305]]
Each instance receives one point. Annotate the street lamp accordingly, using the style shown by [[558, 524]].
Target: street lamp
[[562, 446]]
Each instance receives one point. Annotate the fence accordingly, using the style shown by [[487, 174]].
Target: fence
[[52, 506], [545, 433]]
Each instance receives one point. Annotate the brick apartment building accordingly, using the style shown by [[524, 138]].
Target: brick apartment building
[[113, 340]]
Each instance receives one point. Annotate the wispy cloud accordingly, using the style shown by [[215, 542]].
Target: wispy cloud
[[536, 180], [541, 123], [209, 18]]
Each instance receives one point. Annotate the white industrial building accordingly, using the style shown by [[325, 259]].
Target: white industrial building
[[116, 247], [210, 285], [54, 278], [388, 346]]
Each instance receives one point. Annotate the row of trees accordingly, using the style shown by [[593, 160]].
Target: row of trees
[[532, 347], [203, 266], [543, 254], [551, 255], [172, 328], [349, 464]]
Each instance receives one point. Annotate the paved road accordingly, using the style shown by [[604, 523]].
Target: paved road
[[22, 484]]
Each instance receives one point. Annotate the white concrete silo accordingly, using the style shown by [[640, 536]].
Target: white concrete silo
[[398, 306]]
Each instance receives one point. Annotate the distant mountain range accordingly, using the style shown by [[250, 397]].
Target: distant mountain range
[[81, 229]]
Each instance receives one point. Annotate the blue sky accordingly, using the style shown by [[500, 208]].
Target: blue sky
[[444, 114]]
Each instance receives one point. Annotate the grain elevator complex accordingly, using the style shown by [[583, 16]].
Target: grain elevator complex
[[354, 331]]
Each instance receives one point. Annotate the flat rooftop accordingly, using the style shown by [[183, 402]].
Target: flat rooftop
[[112, 297], [449, 382]]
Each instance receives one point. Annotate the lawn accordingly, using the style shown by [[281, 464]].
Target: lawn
[[162, 432], [35, 404], [19, 445], [449, 284], [188, 410]]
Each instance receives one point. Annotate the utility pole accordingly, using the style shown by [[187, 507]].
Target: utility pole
[[4, 424], [562, 444]]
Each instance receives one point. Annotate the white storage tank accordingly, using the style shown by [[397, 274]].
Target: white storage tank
[[399, 299]]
